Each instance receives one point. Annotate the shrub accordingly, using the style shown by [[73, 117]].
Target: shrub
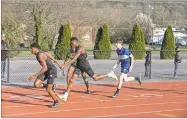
[[103, 44], [168, 44], [137, 42], [63, 44]]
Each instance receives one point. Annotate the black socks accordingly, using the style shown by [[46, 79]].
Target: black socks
[[56, 101], [117, 91]]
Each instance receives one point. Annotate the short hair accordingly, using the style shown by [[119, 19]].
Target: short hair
[[35, 45], [74, 38], [120, 41]]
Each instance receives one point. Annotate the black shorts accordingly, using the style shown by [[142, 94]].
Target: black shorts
[[50, 77], [87, 70]]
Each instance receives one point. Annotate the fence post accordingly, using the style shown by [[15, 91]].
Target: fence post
[[8, 67], [150, 64]]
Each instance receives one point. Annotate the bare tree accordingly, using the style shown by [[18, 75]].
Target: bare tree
[[122, 14], [10, 25]]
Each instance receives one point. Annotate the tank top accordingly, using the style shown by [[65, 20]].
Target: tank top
[[82, 60], [49, 63]]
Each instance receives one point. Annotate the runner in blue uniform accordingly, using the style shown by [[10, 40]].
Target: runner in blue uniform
[[126, 59]]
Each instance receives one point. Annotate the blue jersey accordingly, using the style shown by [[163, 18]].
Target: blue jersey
[[124, 57]]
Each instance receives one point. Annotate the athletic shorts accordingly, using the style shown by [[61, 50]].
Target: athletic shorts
[[50, 77], [87, 70], [125, 70]]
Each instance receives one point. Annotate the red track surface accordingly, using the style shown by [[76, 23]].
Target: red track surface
[[157, 99]]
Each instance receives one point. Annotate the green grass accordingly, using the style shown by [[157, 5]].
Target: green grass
[[25, 53], [28, 53]]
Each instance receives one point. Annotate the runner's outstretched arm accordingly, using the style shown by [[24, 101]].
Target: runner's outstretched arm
[[74, 58], [52, 58]]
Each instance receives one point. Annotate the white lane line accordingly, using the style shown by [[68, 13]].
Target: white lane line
[[142, 98], [80, 109], [166, 115], [34, 96], [104, 116], [146, 95], [15, 96]]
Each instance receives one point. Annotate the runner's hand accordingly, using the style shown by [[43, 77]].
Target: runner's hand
[[32, 77], [63, 67]]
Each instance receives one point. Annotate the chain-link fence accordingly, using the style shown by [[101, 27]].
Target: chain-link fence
[[21, 64]]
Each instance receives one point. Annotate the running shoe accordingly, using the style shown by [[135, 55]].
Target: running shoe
[[63, 97], [139, 79], [56, 103], [113, 75], [88, 91], [115, 95]]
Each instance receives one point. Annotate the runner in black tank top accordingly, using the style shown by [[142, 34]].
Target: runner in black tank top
[[82, 65], [51, 68], [48, 72], [73, 67]]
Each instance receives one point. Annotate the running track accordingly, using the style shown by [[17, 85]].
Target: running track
[[152, 99]]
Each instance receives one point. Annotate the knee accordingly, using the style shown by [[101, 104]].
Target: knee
[[68, 76], [48, 89], [121, 81], [125, 79], [83, 74], [71, 81], [85, 80], [95, 78], [84, 77], [36, 85]]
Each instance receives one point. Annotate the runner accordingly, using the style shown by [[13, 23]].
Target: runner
[[72, 68], [82, 66], [48, 72], [127, 60]]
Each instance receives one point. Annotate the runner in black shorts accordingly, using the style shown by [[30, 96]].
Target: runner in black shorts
[[73, 67], [48, 72], [82, 65]]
